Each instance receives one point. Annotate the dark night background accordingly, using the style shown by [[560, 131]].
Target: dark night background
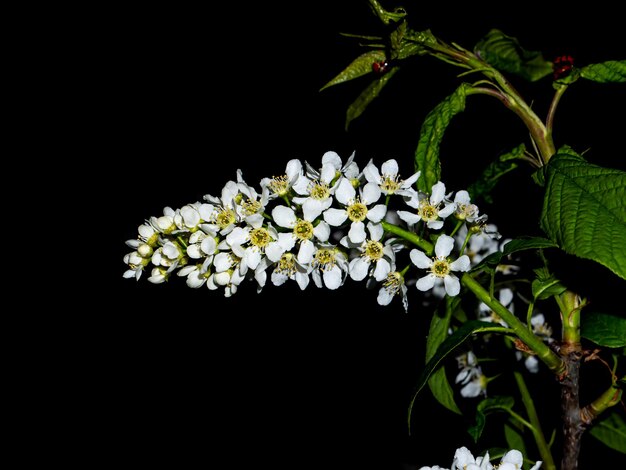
[[290, 378]]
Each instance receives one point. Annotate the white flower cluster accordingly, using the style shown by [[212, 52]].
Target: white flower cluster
[[283, 232], [464, 460]]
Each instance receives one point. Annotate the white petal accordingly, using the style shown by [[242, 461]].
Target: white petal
[[462, 264], [447, 210], [351, 170], [312, 208], [412, 179], [301, 185], [274, 251], [376, 231], [284, 216], [278, 278], [255, 220], [382, 269], [129, 273], [444, 246], [438, 193], [463, 457], [335, 217], [193, 251], [513, 456], [453, 287], [434, 224], [425, 283], [420, 259], [537, 465], [287, 241], [357, 232], [196, 280], [390, 168], [358, 269], [191, 216], [209, 245], [506, 297], [377, 213], [322, 230], [133, 243], [409, 217], [303, 280], [317, 279], [532, 364], [331, 158], [294, 169], [238, 236], [536, 320], [222, 262], [384, 297], [332, 278], [345, 192], [305, 254], [371, 173], [206, 211], [261, 277], [145, 230], [329, 171], [253, 258], [462, 197], [371, 193]]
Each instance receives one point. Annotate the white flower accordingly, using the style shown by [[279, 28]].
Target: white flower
[[393, 285], [330, 266], [541, 328], [505, 297], [374, 256], [389, 182], [530, 361], [356, 209], [165, 223], [249, 242], [167, 255], [286, 268], [280, 186], [224, 215], [440, 267], [429, 209], [316, 194], [471, 376], [191, 216], [302, 231], [465, 210], [464, 460]]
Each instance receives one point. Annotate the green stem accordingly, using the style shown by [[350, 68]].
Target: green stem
[[409, 236], [607, 399], [555, 102], [543, 352], [540, 439]]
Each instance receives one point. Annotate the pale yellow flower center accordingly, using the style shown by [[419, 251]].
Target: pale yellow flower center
[[250, 207], [286, 265], [279, 185], [393, 282], [427, 211], [324, 259], [319, 190], [373, 250], [225, 217], [440, 268], [303, 230], [390, 183], [260, 237], [357, 211]]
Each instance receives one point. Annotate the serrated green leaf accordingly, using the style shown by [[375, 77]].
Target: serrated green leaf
[[431, 134], [450, 344], [611, 431], [367, 96], [514, 438], [612, 71], [488, 405], [604, 329], [494, 171], [359, 67], [505, 53], [584, 210], [438, 332]]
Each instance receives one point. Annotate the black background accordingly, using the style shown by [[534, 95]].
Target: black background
[[290, 378]]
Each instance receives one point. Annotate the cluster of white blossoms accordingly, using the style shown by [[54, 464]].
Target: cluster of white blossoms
[[464, 460], [326, 224]]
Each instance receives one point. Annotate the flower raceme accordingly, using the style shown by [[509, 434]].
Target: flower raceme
[[464, 460], [325, 224]]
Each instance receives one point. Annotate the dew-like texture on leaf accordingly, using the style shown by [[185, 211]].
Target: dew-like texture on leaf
[[505, 53], [584, 210], [359, 67], [612, 71]]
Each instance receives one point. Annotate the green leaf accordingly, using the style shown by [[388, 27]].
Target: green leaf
[[605, 72], [450, 344], [494, 171], [584, 210], [387, 16], [546, 285], [611, 431], [603, 329], [438, 332], [527, 243], [431, 134], [360, 66], [514, 438], [488, 405], [367, 96], [505, 53], [513, 246]]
